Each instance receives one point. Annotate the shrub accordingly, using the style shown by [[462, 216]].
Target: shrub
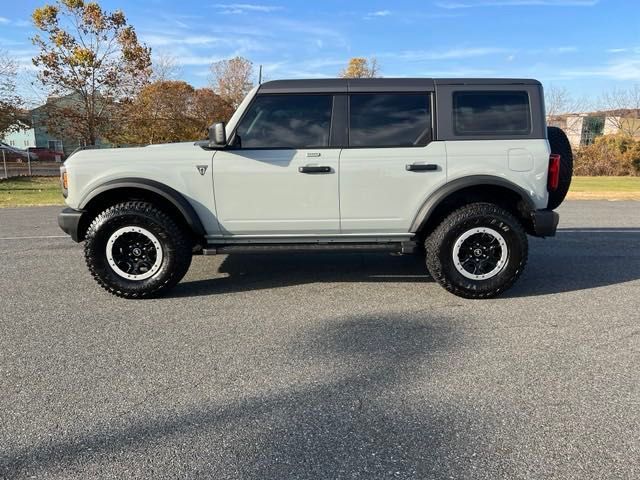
[[609, 155]]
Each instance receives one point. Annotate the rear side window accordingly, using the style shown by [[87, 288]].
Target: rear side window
[[286, 121], [389, 120], [491, 113]]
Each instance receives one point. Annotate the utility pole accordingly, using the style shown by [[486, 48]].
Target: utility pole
[[260, 75]]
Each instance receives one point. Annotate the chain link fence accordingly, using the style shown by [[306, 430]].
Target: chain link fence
[[27, 164]]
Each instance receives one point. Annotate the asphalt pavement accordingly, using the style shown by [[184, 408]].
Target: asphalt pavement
[[323, 366]]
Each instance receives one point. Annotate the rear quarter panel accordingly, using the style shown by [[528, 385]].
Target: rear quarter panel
[[522, 162]]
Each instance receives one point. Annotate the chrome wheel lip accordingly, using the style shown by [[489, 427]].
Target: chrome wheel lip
[[501, 263], [150, 236]]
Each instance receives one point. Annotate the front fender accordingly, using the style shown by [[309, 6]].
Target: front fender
[[166, 192]]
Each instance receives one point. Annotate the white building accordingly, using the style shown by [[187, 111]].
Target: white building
[[23, 138], [583, 128]]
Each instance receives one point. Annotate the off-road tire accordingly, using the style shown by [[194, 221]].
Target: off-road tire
[[174, 241], [440, 249], [559, 144]]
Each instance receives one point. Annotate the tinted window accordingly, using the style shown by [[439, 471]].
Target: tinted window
[[388, 120], [287, 121], [487, 113]]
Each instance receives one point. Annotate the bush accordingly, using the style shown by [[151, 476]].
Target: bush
[[609, 155]]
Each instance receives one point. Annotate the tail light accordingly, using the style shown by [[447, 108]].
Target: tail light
[[64, 181], [553, 178]]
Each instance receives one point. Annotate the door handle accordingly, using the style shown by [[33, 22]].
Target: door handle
[[314, 169], [422, 167]]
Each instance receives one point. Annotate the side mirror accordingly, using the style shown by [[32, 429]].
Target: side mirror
[[217, 134]]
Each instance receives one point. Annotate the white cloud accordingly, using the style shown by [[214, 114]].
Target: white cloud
[[622, 69], [378, 13], [323, 62], [460, 72], [187, 45], [292, 25], [161, 40], [197, 60], [15, 23], [563, 49], [240, 8], [23, 58], [202, 73], [10, 42], [516, 3], [315, 68], [455, 53], [617, 50], [304, 74]]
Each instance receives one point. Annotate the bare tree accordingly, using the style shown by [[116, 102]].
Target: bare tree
[[165, 67], [622, 110], [360, 67], [559, 100], [10, 101], [232, 79], [564, 111]]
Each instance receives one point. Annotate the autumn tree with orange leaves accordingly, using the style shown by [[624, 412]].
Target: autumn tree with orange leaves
[[92, 58], [360, 67], [172, 111]]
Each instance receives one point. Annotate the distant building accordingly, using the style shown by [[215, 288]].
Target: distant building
[[23, 138], [39, 136], [584, 128]]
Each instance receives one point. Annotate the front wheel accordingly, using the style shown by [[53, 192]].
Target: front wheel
[[135, 250], [478, 251]]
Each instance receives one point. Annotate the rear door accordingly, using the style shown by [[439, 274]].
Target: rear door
[[391, 163], [281, 176]]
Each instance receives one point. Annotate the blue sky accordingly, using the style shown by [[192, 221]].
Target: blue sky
[[585, 45]]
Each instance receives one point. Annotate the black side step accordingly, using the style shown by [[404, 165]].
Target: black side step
[[404, 247]]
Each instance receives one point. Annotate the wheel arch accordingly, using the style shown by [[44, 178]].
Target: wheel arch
[[477, 188], [165, 197]]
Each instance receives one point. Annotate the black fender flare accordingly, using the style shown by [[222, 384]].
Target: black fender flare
[[432, 202], [170, 194]]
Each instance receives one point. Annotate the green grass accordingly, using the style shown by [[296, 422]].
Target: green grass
[[605, 184], [27, 191]]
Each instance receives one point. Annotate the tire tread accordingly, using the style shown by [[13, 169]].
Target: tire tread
[[435, 241], [182, 247]]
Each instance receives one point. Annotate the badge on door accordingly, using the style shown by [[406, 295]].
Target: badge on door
[[202, 169]]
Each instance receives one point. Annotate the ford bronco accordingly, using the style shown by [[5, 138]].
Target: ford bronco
[[457, 170]]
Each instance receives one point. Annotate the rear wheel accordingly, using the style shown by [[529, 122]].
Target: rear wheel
[[135, 250], [478, 251]]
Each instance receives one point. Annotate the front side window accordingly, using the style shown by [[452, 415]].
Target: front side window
[[286, 121], [491, 113], [389, 120]]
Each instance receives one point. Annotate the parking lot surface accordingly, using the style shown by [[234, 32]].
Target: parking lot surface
[[323, 366]]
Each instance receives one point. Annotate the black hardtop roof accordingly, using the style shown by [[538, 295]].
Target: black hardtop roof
[[345, 85]]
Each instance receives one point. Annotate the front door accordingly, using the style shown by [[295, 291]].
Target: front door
[[280, 177]]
